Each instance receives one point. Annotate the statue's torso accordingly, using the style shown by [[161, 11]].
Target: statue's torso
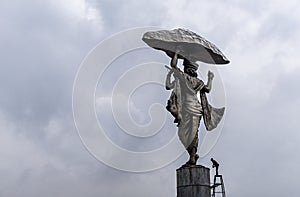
[[189, 88]]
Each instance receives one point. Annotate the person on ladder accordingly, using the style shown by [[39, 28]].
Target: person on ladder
[[215, 165]]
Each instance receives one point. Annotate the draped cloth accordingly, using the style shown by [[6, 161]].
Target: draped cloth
[[187, 110], [211, 116]]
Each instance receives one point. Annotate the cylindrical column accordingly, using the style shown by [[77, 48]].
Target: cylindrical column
[[193, 181]]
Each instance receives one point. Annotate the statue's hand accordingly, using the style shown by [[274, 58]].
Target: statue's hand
[[176, 72], [210, 75], [171, 72]]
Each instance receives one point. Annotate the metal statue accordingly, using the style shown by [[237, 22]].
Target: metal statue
[[183, 103]]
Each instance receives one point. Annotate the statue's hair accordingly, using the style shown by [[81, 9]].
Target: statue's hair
[[190, 64]]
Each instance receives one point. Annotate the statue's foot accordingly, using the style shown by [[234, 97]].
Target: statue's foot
[[192, 161], [196, 158]]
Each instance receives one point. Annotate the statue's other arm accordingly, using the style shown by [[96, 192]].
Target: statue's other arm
[[208, 85]]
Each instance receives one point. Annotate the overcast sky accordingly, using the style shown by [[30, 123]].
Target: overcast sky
[[43, 44]]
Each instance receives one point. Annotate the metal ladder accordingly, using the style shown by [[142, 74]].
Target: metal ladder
[[217, 184]]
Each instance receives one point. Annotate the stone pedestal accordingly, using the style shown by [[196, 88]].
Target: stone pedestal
[[193, 181]]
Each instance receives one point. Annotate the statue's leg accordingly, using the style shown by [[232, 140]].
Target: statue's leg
[[192, 150], [188, 135], [193, 147]]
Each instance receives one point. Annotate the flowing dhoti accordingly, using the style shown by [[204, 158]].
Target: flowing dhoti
[[188, 129]]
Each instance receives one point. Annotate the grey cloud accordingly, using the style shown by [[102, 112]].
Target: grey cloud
[[42, 47], [124, 15]]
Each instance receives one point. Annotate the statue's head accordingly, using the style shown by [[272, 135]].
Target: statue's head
[[190, 68]]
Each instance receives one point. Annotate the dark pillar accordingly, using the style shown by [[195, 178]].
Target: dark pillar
[[193, 181]]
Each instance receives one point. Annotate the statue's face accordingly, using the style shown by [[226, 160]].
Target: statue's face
[[190, 71]]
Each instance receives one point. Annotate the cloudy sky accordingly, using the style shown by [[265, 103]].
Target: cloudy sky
[[43, 44]]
